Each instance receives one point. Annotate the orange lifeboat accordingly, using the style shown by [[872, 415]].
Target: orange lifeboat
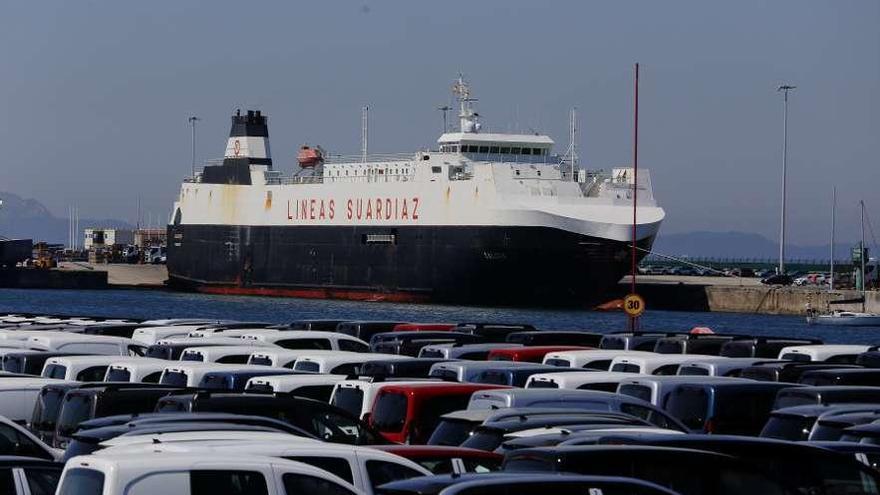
[[309, 157]]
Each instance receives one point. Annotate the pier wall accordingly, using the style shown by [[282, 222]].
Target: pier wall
[[748, 298]]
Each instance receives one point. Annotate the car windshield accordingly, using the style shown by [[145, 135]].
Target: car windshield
[[350, 399], [693, 371], [260, 360], [13, 364], [158, 352], [487, 439], [445, 374], [793, 398], [828, 431], [792, 356], [215, 381], [785, 427], [76, 409], [79, 481], [389, 412], [494, 377], [117, 375], [451, 432], [543, 384], [307, 366], [192, 356], [176, 378], [690, 405], [640, 391], [46, 409], [562, 363], [55, 371], [431, 353], [626, 368]]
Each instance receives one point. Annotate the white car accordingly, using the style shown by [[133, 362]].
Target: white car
[[310, 339], [19, 395], [153, 473], [318, 387], [81, 368]]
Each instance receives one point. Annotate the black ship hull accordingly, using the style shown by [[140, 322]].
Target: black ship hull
[[522, 266]]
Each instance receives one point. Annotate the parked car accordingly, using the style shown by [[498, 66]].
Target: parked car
[[654, 364], [445, 459], [778, 279], [531, 354], [605, 381], [16, 440], [143, 370], [516, 376], [673, 468], [656, 388], [165, 472], [400, 368], [556, 338], [846, 376], [797, 422], [707, 344], [318, 387], [411, 343], [493, 332], [30, 362], [596, 359], [762, 347], [521, 484], [338, 362], [81, 368], [805, 468], [281, 358], [786, 371], [310, 339], [365, 330], [237, 380], [467, 370], [224, 354], [633, 341], [830, 428], [19, 395], [719, 366], [357, 395], [408, 413], [190, 373], [87, 344], [461, 351], [149, 335], [318, 418], [845, 354], [735, 408], [802, 396]]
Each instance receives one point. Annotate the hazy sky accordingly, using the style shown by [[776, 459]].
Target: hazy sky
[[96, 95]]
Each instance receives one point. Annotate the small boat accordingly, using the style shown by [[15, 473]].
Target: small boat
[[846, 319]]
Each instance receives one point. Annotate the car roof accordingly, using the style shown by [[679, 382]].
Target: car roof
[[89, 360], [439, 388], [309, 379], [24, 461], [821, 389], [824, 349], [406, 450]]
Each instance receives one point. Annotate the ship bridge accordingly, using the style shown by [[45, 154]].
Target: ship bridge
[[522, 148]]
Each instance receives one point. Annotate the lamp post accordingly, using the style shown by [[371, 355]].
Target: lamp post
[[192, 122], [785, 88]]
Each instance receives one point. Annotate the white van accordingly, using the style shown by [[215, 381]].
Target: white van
[[190, 373], [225, 354], [356, 396], [311, 339], [230, 332], [19, 395], [143, 370], [339, 362], [363, 467], [654, 364], [281, 358], [152, 473], [80, 368], [605, 381], [88, 344], [830, 353], [597, 359], [152, 335]]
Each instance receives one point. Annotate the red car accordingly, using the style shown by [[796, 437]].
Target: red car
[[447, 460], [530, 354], [424, 327], [409, 413]]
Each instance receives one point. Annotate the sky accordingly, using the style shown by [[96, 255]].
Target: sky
[[96, 94]]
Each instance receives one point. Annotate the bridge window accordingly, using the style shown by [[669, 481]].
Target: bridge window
[[537, 151], [526, 151], [484, 149], [505, 151], [493, 149], [514, 151]]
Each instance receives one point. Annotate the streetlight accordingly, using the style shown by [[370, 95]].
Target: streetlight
[[192, 123], [785, 89]]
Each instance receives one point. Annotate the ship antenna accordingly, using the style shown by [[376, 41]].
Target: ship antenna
[[571, 155], [365, 122], [467, 117]]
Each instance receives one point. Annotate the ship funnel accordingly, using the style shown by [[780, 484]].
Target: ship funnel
[[249, 139]]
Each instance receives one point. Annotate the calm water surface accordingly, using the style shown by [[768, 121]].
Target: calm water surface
[[164, 304]]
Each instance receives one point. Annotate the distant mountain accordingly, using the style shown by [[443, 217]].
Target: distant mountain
[[28, 218], [739, 245]]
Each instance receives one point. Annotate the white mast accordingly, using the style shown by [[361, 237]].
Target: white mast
[[365, 111], [466, 115], [833, 215], [572, 153]]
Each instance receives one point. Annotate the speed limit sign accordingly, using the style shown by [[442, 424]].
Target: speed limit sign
[[634, 305]]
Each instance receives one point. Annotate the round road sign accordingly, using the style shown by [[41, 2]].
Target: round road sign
[[634, 305]]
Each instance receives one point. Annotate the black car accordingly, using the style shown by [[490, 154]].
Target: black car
[[30, 363], [520, 484], [797, 423], [493, 332], [490, 435], [633, 341], [172, 352], [831, 428], [88, 439], [410, 343], [735, 408], [235, 381], [778, 279], [27, 475], [847, 376], [809, 469], [85, 403], [789, 372], [686, 471], [709, 344], [515, 377], [400, 368], [762, 347], [555, 337], [365, 330], [47, 407], [317, 325], [802, 396], [318, 418]]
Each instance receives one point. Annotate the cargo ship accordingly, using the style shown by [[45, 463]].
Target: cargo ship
[[483, 218]]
